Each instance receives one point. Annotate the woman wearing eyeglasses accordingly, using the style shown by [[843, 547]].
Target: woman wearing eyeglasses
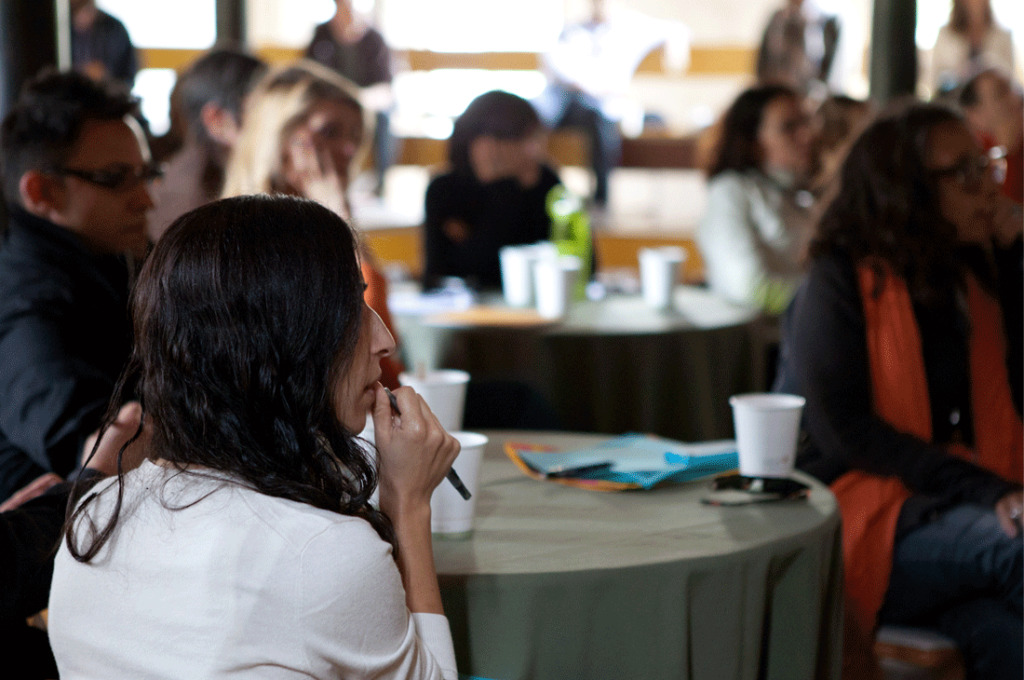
[[757, 221], [898, 341]]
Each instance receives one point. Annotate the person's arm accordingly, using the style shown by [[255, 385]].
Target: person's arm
[[829, 360], [53, 399], [441, 220], [368, 612]]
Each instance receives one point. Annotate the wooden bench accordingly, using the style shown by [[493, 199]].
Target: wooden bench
[[404, 245]]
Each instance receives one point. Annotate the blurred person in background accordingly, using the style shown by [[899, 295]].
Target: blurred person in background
[[971, 42], [994, 107], [898, 341], [100, 44], [303, 135], [356, 50], [499, 190], [798, 48], [211, 94], [757, 222]]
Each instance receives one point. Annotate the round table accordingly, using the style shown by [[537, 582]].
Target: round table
[[610, 366], [564, 583]]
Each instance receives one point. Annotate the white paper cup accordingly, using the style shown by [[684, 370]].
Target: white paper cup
[[451, 515], [659, 272], [444, 390], [767, 426], [555, 283], [517, 275]]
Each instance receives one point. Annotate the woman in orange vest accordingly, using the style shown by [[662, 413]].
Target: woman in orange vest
[[897, 340]]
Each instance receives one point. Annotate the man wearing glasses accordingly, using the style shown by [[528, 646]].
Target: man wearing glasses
[[75, 168]]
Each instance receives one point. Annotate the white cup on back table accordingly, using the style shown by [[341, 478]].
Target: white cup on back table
[[555, 283], [659, 273], [767, 427]]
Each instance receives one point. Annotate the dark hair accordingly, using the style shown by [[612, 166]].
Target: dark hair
[[886, 210], [223, 76], [43, 126], [958, 18], [245, 316], [969, 95], [493, 114], [737, 147]]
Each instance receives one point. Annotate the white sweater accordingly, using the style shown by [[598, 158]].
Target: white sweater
[[752, 238], [240, 584]]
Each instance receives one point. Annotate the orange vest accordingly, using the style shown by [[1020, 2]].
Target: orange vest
[[869, 504]]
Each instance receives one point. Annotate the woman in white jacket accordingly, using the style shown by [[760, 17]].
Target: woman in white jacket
[[757, 221]]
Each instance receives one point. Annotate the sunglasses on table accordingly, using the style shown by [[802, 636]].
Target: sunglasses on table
[[970, 172], [121, 177]]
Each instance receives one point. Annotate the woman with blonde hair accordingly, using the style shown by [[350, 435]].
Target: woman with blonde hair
[[304, 135]]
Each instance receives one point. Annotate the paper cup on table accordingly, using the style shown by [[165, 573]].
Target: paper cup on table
[[767, 426], [445, 394], [555, 282], [659, 273], [517, 274], [451, 515]]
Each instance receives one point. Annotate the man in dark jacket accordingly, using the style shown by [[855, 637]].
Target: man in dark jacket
[[75, 169]]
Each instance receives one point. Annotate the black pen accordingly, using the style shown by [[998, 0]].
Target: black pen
[[452, 475]]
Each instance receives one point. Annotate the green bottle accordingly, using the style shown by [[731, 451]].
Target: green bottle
[[570, 232]]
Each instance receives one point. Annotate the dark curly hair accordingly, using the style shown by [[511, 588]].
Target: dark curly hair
[[886, 210], [246, 314]]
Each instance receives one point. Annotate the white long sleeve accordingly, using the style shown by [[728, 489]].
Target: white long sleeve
[[238, 584]]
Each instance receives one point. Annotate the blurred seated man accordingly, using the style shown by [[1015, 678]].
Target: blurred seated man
[[75, 169], [100, 44], [589, 71], [994, 108], [212, 94]]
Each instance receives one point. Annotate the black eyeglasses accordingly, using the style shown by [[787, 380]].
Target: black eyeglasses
[[970, 172], [121, 177]]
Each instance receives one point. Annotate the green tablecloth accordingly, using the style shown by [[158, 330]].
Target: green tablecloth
[[562, 583], [612, 366]]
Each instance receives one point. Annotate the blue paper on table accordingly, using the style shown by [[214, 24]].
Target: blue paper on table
[[641, 459]]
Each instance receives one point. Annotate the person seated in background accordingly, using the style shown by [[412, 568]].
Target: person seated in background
[[100, 45], [837, 123], [498, 191], [76, 169], [971, 42], [897, 341], [758, 220], [358, 52], [31, 527], [994, 108], [303, 135], [798, 47], [211, 93], [246, 543]]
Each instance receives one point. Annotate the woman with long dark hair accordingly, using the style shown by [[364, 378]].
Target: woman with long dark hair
[[757, 222], [498, 191], [897, 340], [246, 544]]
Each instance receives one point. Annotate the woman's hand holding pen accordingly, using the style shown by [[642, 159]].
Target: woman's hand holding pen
[[415, 451]]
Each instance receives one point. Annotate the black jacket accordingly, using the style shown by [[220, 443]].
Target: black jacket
[[64, 339], [498, 214]]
